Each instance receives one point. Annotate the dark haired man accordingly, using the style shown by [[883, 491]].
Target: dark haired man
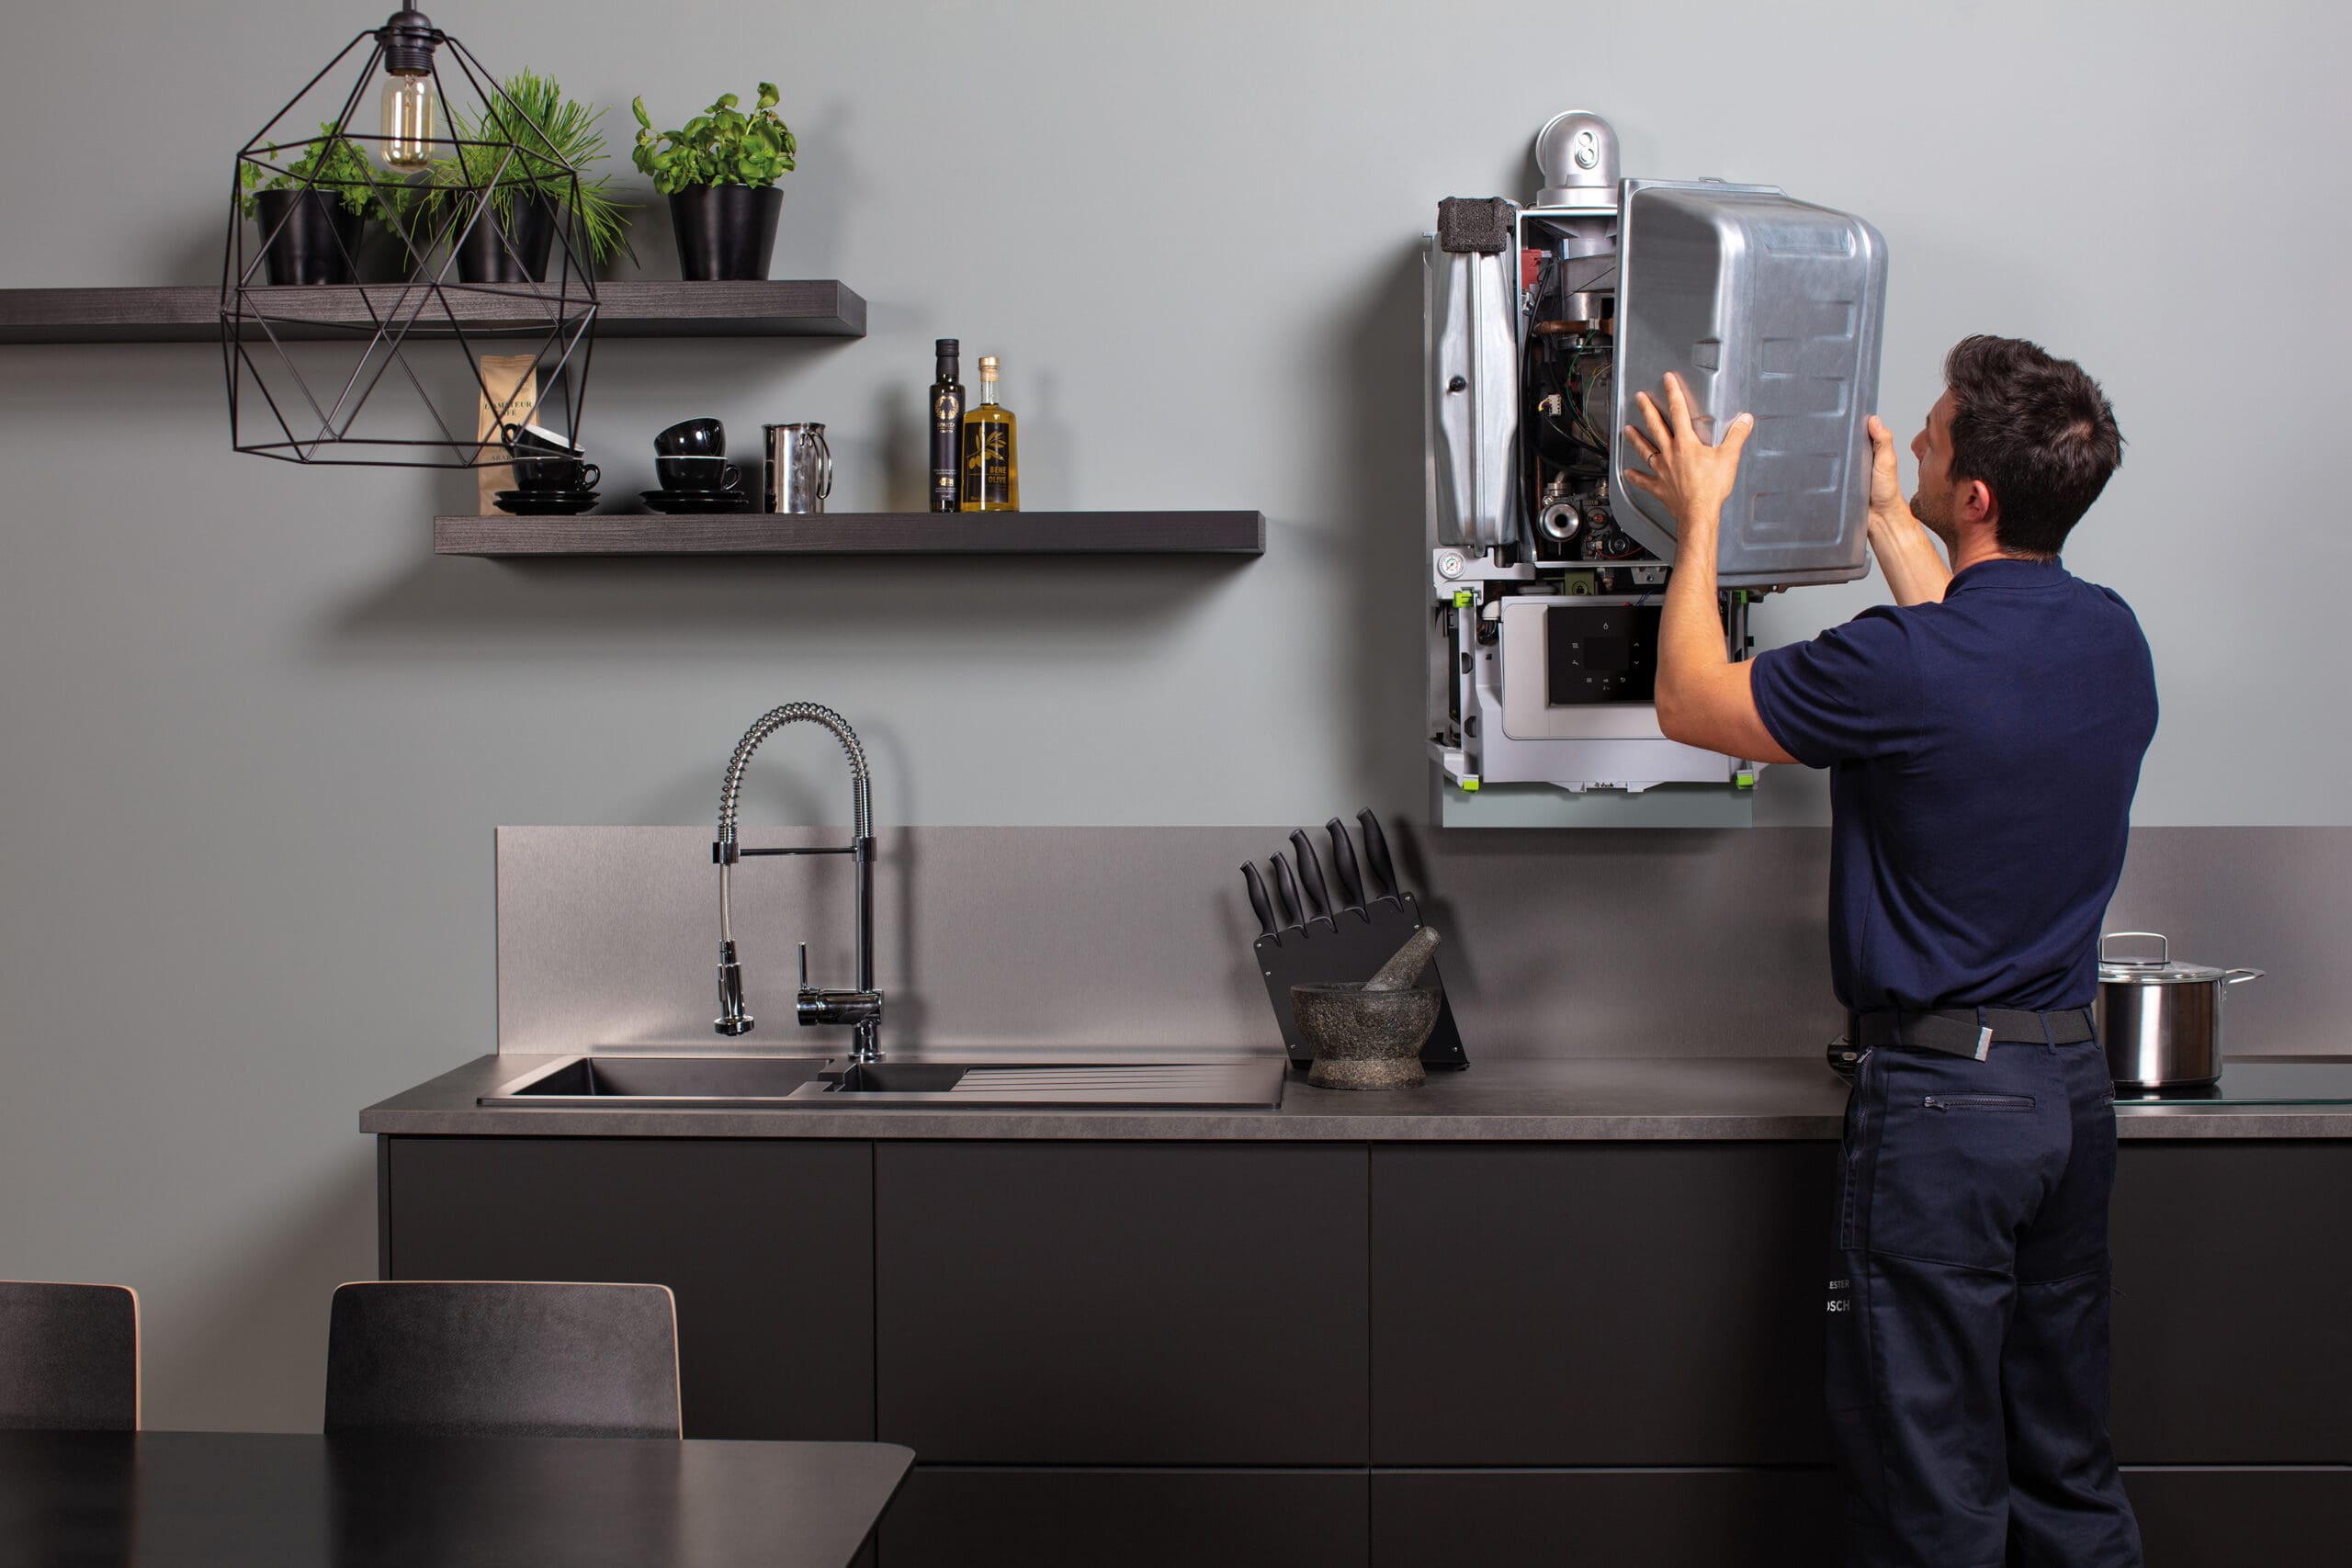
[[1984, 735]]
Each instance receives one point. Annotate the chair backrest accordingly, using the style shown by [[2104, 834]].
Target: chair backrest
[[465, 1356], [69, 1356]]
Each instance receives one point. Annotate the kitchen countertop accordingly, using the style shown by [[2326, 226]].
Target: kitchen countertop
[[1616, 1098]]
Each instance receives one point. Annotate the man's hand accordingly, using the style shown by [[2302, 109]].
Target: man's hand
[[1887, 504], [1693, 479], [1915, 570]]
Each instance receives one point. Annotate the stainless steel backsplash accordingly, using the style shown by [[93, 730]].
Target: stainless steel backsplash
[[1558, 942]]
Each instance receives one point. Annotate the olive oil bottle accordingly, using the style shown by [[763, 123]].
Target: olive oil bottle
[[990, 451], [947, 429]]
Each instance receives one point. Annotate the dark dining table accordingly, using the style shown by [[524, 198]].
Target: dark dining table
[[295, 1500]]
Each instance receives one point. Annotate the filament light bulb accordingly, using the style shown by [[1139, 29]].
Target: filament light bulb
[[408, 120]]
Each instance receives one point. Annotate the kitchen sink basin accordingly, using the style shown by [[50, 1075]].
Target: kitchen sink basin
[[656, 1081], [659, 1083]]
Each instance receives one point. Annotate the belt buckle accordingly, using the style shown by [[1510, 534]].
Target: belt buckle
[[1845, 1056]]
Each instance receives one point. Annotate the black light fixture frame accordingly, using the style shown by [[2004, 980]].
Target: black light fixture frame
[[258, 319]]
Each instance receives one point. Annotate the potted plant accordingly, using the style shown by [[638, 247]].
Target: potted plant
[[719, 173], [313, 213], [530, 188]]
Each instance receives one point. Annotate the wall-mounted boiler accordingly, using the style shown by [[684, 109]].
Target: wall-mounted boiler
[[1546, 571]]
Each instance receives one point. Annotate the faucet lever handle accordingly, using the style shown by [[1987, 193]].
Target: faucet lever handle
[[804, 965]]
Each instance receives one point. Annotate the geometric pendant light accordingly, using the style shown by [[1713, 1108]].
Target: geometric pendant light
[[324, 370]]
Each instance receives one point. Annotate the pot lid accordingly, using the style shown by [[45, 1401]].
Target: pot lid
[[2148, 972], [2163, 969]]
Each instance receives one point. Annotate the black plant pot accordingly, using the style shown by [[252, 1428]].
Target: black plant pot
[[725, 231], [514, 251], [385, 256], [310, 236]]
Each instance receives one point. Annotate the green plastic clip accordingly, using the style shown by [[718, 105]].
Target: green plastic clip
[[1743, 781], [1462, 598], [1469, 786]]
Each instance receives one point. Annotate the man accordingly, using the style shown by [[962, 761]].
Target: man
[[1984, 737]]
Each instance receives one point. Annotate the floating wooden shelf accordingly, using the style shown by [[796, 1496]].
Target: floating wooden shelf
[[191, 313], [858, 533]]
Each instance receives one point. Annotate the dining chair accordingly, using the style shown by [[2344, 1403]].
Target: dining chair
[[508, 1358], [69, 1356]]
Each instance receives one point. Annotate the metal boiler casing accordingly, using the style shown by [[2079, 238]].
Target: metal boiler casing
[[1470, 459], [1768, 306]]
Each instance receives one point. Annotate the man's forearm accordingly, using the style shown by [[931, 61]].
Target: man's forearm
[[1690, 627], [1917, 572], [1703, 699]]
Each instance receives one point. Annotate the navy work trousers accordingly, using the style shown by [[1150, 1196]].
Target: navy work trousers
[[1968, 1312]]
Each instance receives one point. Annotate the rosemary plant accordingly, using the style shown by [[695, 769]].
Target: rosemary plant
[[549, 133]]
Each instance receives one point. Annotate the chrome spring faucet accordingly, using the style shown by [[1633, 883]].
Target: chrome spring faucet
[[862, 1006]]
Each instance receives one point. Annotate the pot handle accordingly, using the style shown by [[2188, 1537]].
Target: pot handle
[[2240, 976], [2164, 949]]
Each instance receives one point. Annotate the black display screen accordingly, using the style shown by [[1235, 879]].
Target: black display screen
[[1605, 655], [1600, 653]]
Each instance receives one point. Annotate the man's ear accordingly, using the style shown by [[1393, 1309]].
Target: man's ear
[[1978, 505]]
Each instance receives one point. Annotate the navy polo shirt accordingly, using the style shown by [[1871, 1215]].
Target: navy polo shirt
[[1982, 754]]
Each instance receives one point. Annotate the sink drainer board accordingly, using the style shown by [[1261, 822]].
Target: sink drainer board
[[1201, 1084], [739, 1083]]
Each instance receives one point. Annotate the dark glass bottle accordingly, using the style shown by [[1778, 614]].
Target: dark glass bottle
[[946, 428]]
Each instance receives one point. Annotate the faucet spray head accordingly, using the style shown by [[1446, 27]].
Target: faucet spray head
[[732, 1019]]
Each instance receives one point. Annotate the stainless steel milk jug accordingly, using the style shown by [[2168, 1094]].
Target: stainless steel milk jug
[[799, 467]]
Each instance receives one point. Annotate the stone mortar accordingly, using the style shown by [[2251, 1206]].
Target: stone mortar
[[1365, 1039]]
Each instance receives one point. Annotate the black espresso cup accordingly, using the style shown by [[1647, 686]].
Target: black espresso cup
[[692, 438], [704, 474], [532, 440], [552, 474]]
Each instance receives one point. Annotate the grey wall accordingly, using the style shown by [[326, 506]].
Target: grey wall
[[256, 736]]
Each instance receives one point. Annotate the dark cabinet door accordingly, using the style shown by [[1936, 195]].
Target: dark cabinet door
[[2233, 1269], [1767, 1519], [1606, 1519], [768, 1245], [1130, 1519], [2238, 1519], [1121, 1303], [1599, 1303]]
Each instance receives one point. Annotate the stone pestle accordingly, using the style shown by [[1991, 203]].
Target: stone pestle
[[1405, 966]]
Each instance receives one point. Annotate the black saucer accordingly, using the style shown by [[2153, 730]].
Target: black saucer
[[693, 501], [545, 502]]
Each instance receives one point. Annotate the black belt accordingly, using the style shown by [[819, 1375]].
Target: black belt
[[1967, 1032]]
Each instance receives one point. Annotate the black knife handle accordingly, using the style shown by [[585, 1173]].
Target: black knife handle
[[1375, 854], [1258, 900], [1343, 863], [1311, 874], [1285, 891]]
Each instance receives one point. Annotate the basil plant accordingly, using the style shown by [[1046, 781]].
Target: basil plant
[[723, 146]]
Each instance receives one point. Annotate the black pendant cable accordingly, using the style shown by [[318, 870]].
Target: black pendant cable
[[410, 395]]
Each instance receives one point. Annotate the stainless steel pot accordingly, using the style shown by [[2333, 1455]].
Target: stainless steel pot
[[2161, 1020]]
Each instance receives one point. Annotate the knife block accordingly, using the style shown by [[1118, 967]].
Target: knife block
[[1348, 946]]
